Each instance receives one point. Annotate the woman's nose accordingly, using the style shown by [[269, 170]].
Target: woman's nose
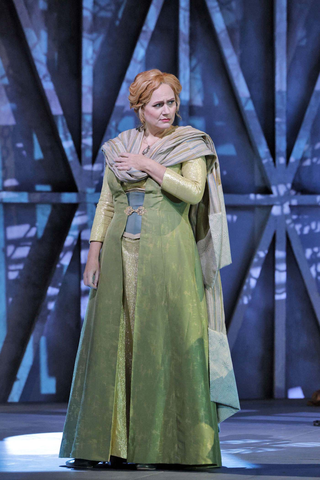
[[165, 109]]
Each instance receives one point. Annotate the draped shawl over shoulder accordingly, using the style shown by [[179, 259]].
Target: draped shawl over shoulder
[[208, 217]]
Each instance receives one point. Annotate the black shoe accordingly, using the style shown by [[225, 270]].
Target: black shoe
[[81, 464], [116, 462]]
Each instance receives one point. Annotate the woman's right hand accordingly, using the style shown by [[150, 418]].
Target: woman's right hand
[[92, 271]]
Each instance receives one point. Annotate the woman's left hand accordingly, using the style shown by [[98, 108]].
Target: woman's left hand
[[127, 160]]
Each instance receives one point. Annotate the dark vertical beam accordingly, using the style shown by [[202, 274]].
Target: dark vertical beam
[[280, 47], [3, 276], [280, 296], [87, 85], [184, 59]]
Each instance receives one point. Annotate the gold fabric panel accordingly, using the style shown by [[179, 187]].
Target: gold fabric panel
[[190, 185], [121, 410]]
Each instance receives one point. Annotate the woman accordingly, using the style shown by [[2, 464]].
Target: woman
[[153, 375]]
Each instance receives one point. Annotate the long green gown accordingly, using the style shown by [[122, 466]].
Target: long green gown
[[146, 322]]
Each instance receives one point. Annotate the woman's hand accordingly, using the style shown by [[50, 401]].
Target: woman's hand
[[92, 271], [126, 160]]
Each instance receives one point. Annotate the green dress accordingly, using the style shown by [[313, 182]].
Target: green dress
[[171, 418]]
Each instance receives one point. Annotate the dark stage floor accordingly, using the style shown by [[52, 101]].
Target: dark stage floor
[[269, 439]]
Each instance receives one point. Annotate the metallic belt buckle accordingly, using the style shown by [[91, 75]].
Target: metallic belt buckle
[[140, 210]]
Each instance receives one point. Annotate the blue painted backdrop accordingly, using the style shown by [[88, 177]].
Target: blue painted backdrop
[[250, 76]]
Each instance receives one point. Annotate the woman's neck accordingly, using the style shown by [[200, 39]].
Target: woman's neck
[[156, 134]]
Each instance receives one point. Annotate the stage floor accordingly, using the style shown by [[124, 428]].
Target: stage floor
[[274, 439]]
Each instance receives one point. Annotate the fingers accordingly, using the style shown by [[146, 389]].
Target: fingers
[[121, 160], [121, 164], [89, 283], [95, 279], [91, 279]]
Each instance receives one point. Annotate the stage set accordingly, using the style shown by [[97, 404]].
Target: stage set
[[250, 76], [274, 439]]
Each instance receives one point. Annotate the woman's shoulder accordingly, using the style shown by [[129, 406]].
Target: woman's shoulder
[[200, 143], [123, 138], [191, 133], [189, 129]]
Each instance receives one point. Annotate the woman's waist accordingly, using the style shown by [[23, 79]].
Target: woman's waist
[[134, 212], [139, 203], [135, 198]]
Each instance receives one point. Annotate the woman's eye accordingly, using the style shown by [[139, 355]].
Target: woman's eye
[[171, 102]]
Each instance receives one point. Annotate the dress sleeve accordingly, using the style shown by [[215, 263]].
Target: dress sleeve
[[190, 185], [104, 212]]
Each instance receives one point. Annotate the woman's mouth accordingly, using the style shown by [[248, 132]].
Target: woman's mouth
[[165, 120]]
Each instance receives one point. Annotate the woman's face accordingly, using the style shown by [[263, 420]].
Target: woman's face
[[160, 112]]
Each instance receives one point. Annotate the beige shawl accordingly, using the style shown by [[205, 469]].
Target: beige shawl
[[208, 217]]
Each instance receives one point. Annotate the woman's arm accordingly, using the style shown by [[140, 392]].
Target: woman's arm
[[102, 219], [104, 212], [190, 185]]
